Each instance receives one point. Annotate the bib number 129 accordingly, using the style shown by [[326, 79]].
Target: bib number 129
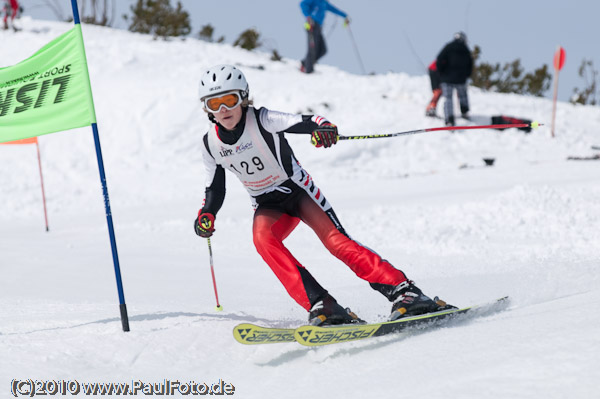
[[247, 168]]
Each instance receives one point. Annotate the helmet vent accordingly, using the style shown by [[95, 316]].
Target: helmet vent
[[214, 77], [228, 77]]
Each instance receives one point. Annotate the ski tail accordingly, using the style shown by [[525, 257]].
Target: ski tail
[[251, 334]]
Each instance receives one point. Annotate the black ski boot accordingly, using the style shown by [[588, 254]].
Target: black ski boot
[[410, 301], [327, 312]]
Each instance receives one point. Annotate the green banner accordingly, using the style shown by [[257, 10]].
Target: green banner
[[48, 92]]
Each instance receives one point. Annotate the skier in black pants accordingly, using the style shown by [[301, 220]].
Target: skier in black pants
[[314, 11], [455, 65]]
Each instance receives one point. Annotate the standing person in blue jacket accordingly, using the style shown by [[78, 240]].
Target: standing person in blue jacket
[[314, 11]]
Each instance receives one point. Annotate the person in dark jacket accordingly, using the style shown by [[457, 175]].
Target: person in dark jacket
[[314, 11], [455, 65]]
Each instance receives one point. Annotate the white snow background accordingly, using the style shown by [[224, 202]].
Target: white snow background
[[527, 227]]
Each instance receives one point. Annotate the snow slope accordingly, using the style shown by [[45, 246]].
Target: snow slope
[[528, 227]]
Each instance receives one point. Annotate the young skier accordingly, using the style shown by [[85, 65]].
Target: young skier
[[251, 144]]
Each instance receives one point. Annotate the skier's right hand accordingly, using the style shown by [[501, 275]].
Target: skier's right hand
[[204, 225]]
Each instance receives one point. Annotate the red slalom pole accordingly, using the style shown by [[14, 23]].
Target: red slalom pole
[[42, 180], [532, 125], [559, 62], [212, 270]]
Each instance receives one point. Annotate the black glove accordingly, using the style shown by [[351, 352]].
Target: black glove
[[325, 135], [204, 225]]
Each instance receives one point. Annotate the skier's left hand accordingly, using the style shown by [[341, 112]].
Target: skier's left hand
[[204, 225], [325, 135]]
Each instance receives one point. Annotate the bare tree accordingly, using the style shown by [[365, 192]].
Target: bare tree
[[587, 95], [97, 12], [101, 12]]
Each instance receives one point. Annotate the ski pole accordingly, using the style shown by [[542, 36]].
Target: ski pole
[[212, 270], [532, 125], [42, 181], [356, 49]]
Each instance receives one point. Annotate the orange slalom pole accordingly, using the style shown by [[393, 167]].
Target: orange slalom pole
[[37, 145]]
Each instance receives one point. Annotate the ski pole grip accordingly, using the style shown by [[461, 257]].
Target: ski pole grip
[[206, 222]]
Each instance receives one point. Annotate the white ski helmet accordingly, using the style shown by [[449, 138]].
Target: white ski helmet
[[222, 78]]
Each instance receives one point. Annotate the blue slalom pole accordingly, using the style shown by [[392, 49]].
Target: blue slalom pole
[[76, 20], [111, 231]]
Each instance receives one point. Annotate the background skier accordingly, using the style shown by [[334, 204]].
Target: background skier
[[251, 144], [314, 11], [11, 9], [434, 77], [455, 65]]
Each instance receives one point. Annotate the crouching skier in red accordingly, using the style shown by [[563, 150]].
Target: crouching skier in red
[[250, 143]]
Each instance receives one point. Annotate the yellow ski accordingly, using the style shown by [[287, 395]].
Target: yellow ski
[[250, 334], [317, 336]]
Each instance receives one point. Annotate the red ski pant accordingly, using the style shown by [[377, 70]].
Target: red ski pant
[[272, 226], [14, 8]]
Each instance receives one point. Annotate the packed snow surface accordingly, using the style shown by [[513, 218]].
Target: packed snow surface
[[527, 227]]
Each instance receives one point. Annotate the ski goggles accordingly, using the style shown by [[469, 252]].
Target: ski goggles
[[228, 100]]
